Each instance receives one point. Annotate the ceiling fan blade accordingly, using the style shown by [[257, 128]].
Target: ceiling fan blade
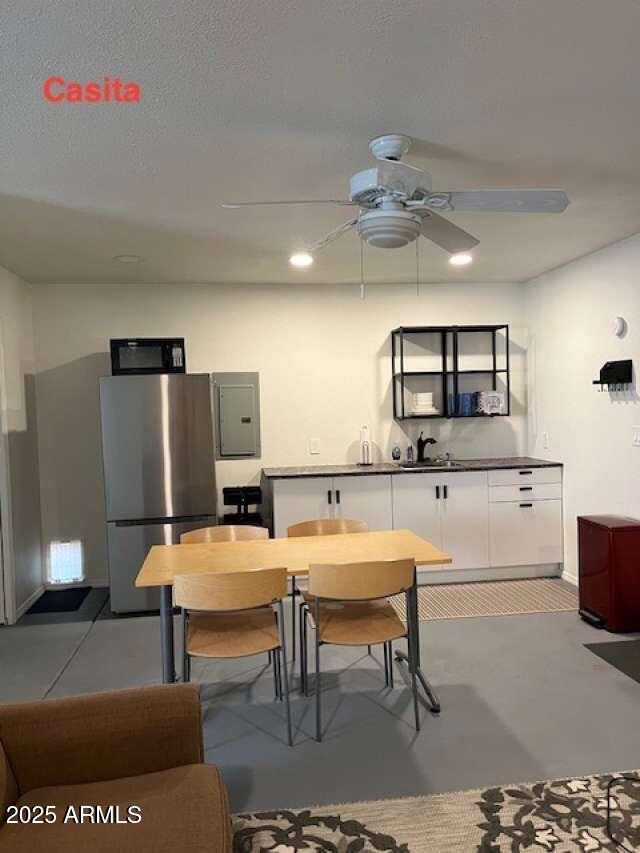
[[333, 235], [234, 204], [447, 235], [508, 201]]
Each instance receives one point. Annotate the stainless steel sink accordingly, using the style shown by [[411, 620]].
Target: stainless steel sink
[[430, 465]]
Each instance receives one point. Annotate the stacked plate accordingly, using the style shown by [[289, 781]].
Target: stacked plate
[[423, 404]]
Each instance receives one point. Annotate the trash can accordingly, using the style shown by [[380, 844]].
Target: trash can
[[609, 571]]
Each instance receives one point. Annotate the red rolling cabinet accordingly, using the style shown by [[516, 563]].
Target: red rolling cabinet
[[609, 571]]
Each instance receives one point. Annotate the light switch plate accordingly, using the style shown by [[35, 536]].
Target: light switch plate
[[314, 446], [635, 436]]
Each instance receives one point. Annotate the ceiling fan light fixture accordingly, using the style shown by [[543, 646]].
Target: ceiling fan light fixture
[[389, 229], [461, 259], [301, 260]]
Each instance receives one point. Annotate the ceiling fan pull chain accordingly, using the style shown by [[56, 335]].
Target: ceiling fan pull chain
[[418, 269], [362, 270]]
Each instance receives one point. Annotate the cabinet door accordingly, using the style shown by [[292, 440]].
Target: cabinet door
[[300, 499], [525, 533], [416, 507], [464, 513], [365, 498]]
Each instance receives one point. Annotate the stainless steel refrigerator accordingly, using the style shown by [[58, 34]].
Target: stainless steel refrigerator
[[159, 471]]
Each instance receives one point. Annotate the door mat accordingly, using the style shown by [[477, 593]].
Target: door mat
[[60, 600], [577, 815], [624, 655], [492, 598]]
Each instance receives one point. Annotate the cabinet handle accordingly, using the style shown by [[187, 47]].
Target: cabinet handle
[[329, 495], [525, 506], [445, 493], [526, 488], [437, 493], [337, 496], [522, 473]]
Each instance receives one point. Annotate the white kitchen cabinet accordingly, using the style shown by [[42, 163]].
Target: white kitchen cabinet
[[525, 533], [300, 499], [364, 498], [464, 514], [416, 507], [449, 510]]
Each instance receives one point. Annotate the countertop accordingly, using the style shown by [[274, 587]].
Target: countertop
[[490, 464]]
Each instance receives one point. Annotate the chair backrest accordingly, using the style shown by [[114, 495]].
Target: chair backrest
[[361, 581], [225, 591], [327, 526], [224, 533]]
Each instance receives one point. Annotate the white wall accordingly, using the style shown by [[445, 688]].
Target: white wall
[[324, 362], [21, 512], [569, 312]]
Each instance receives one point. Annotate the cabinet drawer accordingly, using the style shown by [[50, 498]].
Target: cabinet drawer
[[525, 533], [526, 492], [524, 476]]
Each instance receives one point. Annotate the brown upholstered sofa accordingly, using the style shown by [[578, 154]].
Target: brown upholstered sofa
[[127, 748]]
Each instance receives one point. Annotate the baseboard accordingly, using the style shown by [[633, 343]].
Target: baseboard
[[96, 583], [503, 573], [569, 577], [35, 595]]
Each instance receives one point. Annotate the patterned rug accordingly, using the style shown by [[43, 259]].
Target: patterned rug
[[492, 598], [560, 816]]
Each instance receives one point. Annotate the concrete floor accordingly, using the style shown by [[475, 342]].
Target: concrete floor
[[522, 699]]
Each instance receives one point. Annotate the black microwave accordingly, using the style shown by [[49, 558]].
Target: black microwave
[[147, 355]]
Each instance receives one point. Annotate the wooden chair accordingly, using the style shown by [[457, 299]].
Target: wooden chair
[[364, 616], [316, 527], [231, 614], [224, 533], [327, 526]]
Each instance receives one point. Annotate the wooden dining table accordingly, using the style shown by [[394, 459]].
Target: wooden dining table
[[296, 554]]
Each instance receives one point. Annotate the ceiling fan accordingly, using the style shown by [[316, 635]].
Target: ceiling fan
[[397, 204]]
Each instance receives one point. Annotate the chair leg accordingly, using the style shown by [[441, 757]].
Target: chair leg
[[368, 650], [186, 661], [283, 651], [186, 668], [269, 657], [318, 685], [301, 640], [413, 659], [386, 664], [276, 680], [390, 656], [293, 618], [305, 646]]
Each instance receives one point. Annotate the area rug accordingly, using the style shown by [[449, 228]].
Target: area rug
[[561, 816], [492, 598], [624, 655]]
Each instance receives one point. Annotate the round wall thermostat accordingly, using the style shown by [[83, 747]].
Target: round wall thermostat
[[619, 326]]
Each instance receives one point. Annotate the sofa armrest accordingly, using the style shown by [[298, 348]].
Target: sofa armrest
[[102, 736]]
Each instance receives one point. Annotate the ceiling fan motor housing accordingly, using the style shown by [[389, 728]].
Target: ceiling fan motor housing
[[389, 229]]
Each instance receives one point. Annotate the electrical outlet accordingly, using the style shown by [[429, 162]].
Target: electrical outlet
[[314, 446], [545, 440], [635, 436]]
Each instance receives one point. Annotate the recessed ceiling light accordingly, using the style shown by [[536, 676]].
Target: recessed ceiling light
[[460, 260], [301, 259], [127, 259]]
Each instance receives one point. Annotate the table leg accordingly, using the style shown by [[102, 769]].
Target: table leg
[[414, 626], [166, 635]]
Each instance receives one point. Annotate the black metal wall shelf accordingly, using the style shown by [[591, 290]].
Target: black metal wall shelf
[[443, 347]]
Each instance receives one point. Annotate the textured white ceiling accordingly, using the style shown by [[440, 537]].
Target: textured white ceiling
[[252, 100]]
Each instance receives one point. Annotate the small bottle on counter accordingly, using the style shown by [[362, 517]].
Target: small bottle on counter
[[396, 453], [410, 453]]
